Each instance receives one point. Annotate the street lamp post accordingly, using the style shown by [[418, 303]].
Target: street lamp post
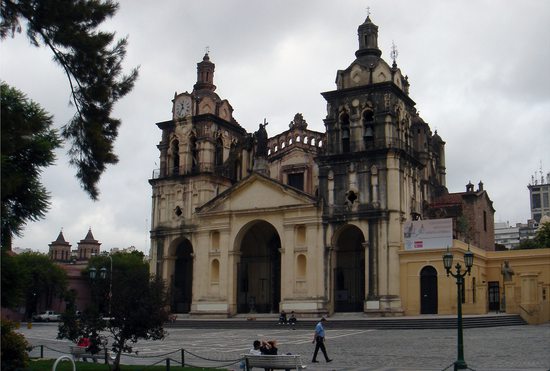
[[459, 364], [103, 275]]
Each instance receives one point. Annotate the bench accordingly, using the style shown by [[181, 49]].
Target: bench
[[278, 362], [81, 353]]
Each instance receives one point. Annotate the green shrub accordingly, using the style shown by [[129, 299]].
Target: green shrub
[[14, 348]]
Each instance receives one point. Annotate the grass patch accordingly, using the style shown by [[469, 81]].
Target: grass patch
[[46, 365]]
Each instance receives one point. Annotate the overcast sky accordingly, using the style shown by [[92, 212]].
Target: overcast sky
[[478, 72]]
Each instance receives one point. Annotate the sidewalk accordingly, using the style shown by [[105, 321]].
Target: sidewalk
[[518, 348]]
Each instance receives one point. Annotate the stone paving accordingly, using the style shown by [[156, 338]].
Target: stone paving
[[485, 349]]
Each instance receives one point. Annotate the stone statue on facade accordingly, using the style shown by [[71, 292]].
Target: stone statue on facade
[[261, 140], [506, 271]]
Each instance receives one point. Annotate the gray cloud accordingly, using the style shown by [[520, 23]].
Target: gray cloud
[[476, 69]]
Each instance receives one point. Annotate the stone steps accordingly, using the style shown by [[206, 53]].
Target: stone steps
[[397, 323]]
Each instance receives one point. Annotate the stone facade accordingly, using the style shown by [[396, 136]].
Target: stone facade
[[303, 221]]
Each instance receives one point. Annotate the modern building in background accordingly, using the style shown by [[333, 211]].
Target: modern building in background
[[539, 192], [506, 235]]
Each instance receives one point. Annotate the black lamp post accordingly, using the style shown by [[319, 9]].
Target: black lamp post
[[459, 364], [103, 275]]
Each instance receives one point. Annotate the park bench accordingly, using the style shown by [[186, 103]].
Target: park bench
[[81, 353], [278, 362]]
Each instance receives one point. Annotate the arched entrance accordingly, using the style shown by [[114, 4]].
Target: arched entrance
[[182, 282], [428, 290], [259, 269], [349, 271]]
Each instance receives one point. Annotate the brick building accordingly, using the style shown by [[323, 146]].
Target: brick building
[[472, 213]]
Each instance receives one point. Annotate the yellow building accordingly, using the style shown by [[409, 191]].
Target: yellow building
[[425, 287]]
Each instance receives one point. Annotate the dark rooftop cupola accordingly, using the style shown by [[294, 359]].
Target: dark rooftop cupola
[[368, 39], [205, 75]]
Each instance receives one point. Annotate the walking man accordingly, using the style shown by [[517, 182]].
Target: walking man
[[319, 340]]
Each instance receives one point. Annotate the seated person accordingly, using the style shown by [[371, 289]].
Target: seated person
[[292, 319], [256, 349], [282, 318]]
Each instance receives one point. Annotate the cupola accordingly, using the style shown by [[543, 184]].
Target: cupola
[[205, 74], [368, 39]]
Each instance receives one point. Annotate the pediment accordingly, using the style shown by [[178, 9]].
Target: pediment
[[257, 192]]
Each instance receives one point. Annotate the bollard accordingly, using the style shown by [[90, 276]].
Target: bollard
[[182, 357], [29, 325], [41, 351], [167, 364]]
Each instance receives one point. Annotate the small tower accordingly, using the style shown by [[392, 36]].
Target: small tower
[[368, 39], [60, 250], [205, 74], [88, 246]]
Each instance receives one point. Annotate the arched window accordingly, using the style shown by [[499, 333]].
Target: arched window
[[218, 157], [368, 126], [301, 266], [194, 154], [175, 157], [215, 271], [345, 132]]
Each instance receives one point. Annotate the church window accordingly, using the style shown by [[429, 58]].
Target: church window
[[175, 157], [296, 180], [351, 197], [218, 157], [194, 154], [368, 126], [312, 142], [301, 266], [344, 124], [215, 271]]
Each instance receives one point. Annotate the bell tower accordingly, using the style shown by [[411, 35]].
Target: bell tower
[[371, 174]]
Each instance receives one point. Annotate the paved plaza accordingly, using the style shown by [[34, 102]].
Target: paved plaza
[[497, 348]]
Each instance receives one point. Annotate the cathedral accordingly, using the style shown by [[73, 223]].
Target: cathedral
[[303, 221]]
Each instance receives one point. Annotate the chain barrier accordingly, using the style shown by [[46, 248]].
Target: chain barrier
[[214, 360], [151, 356], [220, 362]]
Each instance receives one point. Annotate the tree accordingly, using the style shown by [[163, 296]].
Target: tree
[[28, 145], [12, 284], [14, 348], [542, 237], [137, 308], [93, 65], [43, 280]]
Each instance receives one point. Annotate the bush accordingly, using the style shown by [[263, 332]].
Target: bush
[[14, 348]]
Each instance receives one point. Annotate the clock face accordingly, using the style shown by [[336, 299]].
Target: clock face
[[183, 107]]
